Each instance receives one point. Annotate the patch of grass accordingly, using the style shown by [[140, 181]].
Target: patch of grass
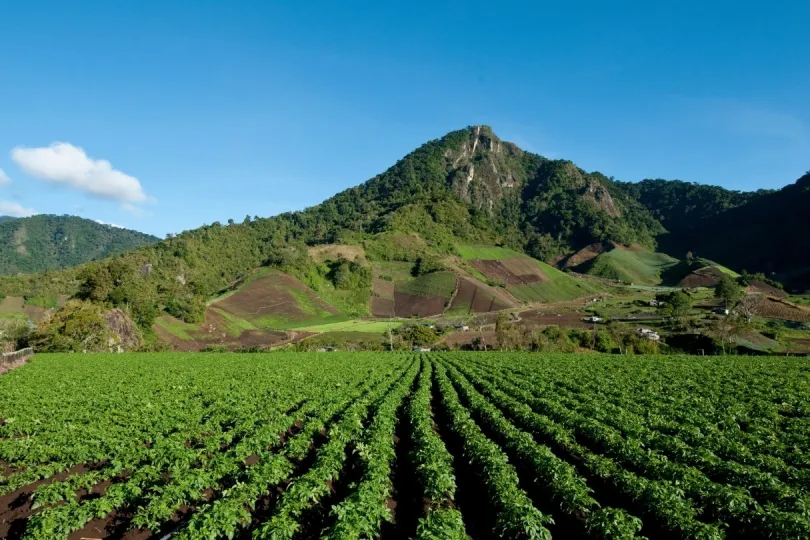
[[727, 271], [486, 253], [46, 302], [176, 327], [474, 272], [354, 325], [235, 326], [558, 288], [396, 270], [440, 284], [274, 322], [799, 300], [352, 302], [637, 267], [308, 304], [343, 339]]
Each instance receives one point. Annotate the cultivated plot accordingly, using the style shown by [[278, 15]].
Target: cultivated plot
[[451, 445]]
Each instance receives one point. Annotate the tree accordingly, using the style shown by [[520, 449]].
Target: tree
[[427, 264], [508, 336], [725, 328], [604, 342], [676, 304], [15, 332], [729, 291], [420, 335], [748, 306]]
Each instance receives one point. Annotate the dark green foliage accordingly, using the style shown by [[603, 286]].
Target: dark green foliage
[[427, 264], [681, 205], [675, 304], [729, 291], [48, 242], [746, 278], [603, 342], [565, 208], [349, 275], [419, 335], [761, 231]]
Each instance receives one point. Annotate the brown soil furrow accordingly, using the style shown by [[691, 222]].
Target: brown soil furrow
[[16, 507]]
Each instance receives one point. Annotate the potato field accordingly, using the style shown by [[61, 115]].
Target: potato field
[[404, 445]]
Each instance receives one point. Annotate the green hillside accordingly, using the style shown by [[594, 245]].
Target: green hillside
[[435, 284], [525, 278], [639, 267], [558, 288], [47, 242], [759, 231], [462, 194]]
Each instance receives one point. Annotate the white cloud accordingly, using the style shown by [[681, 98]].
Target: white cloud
[[63, 163], [8, 208], [4, 179]]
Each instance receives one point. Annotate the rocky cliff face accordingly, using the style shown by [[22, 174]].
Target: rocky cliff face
[[563, 207], [484, 169]]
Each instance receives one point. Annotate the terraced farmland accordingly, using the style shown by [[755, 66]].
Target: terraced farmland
[[437, 445]]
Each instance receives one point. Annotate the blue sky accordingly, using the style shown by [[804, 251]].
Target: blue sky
[[174, 114]]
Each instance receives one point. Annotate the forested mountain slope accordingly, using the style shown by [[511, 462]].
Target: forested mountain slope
[[48, 242], [761, 231], [468, 187], [768, 234]]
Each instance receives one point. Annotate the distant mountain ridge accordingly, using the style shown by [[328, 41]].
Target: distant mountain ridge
[[467, 188], [49, 242]]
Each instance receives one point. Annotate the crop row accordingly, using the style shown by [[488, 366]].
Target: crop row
[[494, 445]]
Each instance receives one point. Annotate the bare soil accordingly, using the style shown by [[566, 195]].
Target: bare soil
[[213, 332], [498, 270], [406, 305], [12, 304], [778, 309], [382, 288], [382, 307], [35, 313], [757, 286], [461, 339], [704, 277], [268, 295], [476, 297], [536, 319], [585, 254], [16, 507], [337, 251]]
